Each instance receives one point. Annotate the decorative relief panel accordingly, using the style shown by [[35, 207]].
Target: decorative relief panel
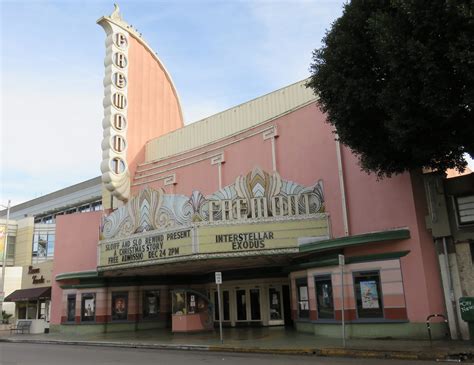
[[115, 173], [251, 197]]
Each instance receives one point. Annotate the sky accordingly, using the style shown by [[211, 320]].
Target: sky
[[219, 53]]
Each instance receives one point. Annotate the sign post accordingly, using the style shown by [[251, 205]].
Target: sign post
[[219, 282], [341, 264]]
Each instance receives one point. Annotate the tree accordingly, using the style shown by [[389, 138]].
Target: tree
[[396, 80]]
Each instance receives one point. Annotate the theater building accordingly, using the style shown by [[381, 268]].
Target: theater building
[[261, 192]]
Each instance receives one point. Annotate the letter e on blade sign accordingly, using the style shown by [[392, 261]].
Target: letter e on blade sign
[[218, 277]]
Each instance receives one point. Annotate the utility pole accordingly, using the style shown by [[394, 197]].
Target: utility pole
[[4, 262]]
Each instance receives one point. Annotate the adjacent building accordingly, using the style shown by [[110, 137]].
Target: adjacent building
[[451, 221], [31, 245]]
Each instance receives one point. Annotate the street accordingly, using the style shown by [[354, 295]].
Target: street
[[45, 354]]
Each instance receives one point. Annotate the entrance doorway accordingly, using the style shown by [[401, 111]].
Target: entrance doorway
[[287, 306], [275, 305], [252, 304], [248, 305]]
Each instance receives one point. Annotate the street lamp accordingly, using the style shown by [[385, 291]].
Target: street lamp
[[4, 262]]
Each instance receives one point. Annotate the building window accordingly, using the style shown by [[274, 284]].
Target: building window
[[303, 299], [71, 308], [119, 306], [96, 206], [465, 209], [324, 297], [43, 246], [368, 294], [88, 307], [151, 304], [11, 250]]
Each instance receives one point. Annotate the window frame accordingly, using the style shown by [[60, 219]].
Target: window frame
[[356, 287], [119, 313], [323, 278], [457, 212], [145, 303], [73, 299], [84, 297], [298, 284]]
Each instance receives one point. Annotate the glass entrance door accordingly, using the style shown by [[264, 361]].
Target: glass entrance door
[[275, 307], [225, 306], [248, 304], [255, 314], [241, 302]]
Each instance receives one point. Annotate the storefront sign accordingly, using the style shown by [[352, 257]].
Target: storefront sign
[[150, 246], [32, 270], [36, 275]]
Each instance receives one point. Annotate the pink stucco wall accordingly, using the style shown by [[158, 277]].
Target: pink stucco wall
[[75, 250], [306, 153], [153, 105]]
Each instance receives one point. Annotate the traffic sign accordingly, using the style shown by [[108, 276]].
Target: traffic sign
[[218, 277]]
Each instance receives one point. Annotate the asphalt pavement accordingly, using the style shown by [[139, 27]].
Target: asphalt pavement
[[57, 354]]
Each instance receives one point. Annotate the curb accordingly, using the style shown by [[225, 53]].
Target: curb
[[323, 352]]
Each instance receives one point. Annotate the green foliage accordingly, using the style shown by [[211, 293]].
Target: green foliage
[[6, 317], [396, 80]]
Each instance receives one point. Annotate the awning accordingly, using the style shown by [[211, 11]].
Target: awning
[[23, 295], [360, 239]]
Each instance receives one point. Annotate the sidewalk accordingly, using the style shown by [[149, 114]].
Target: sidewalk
[[261, 340]]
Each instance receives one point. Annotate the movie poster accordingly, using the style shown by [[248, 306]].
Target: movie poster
[[119, 306], [151, 304], [369, 294]]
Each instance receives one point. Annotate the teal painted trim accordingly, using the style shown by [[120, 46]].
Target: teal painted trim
[[377, 257], [349, 260], [77, 275], [395, 234], [83, 286]]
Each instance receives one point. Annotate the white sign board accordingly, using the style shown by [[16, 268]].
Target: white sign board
[[218, 277], [342, 260]]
